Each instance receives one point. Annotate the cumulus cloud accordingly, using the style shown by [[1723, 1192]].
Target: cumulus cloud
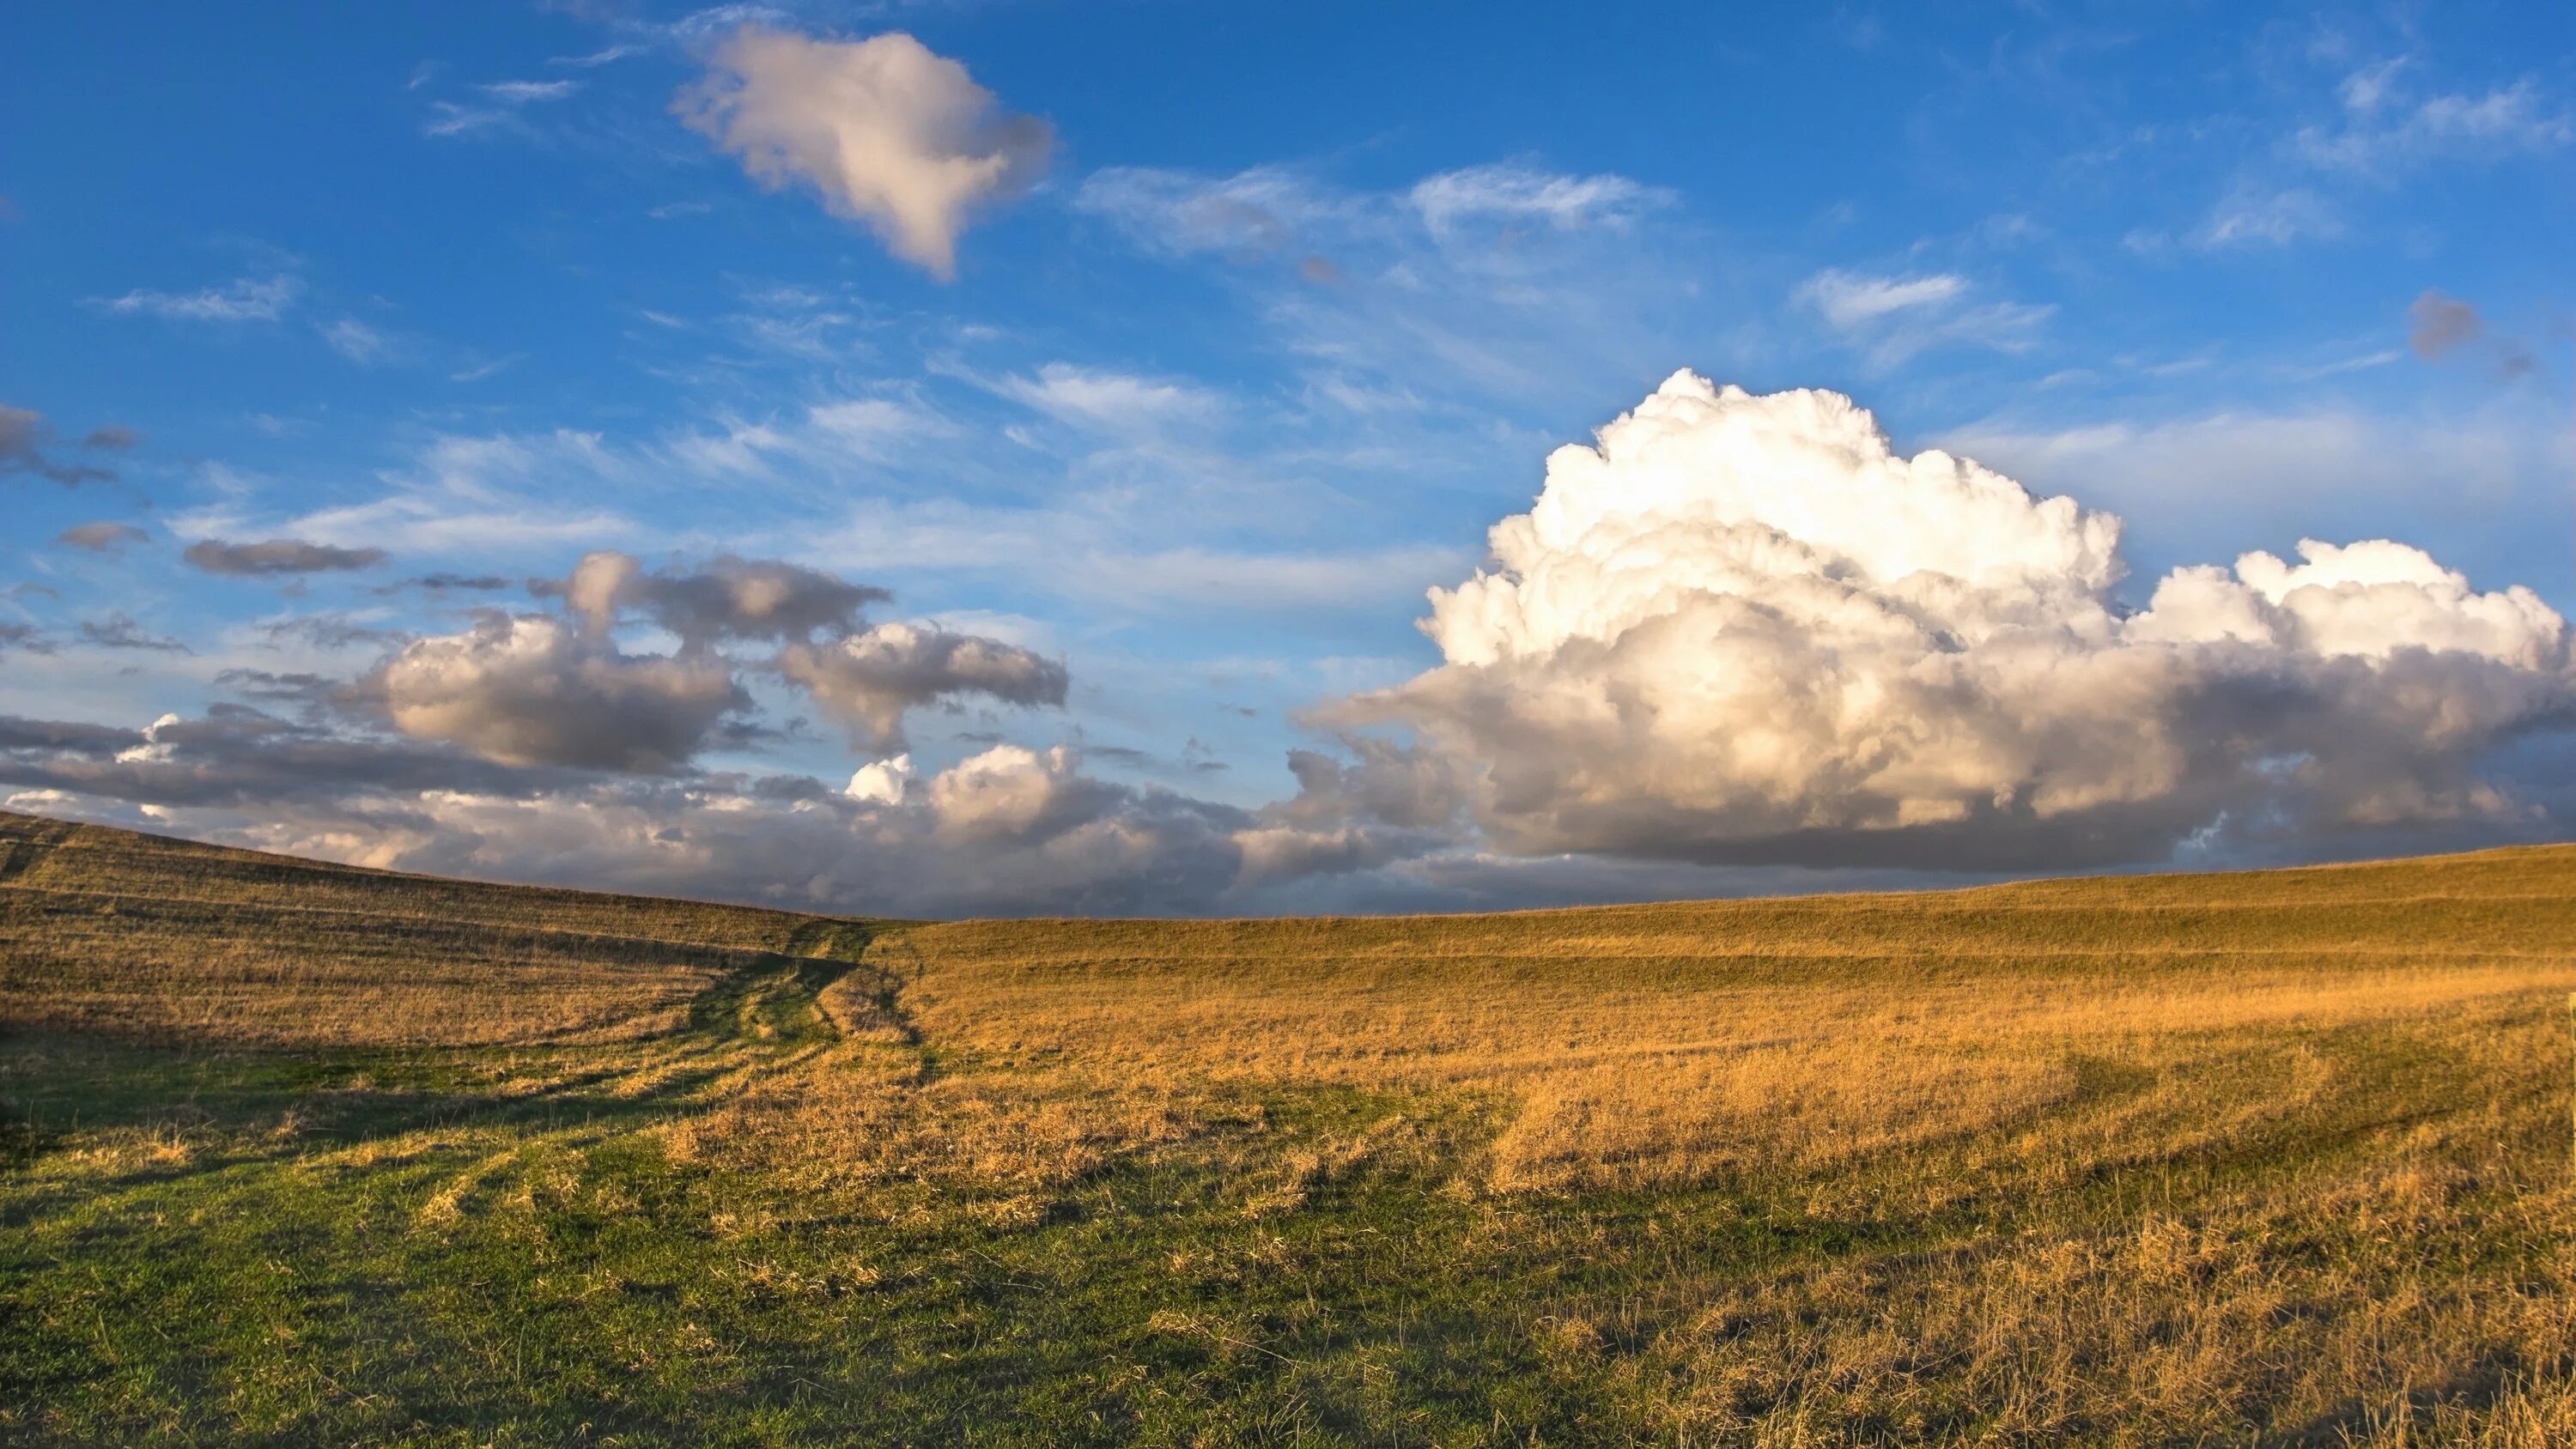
[[1742, 628], [561, 690], [881, 782], [888, 133], [869, 680], [531, 690], [1006, 832], [277, 556]]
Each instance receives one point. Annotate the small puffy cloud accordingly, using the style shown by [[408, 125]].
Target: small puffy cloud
[[248, 299], [530, 690], [277, 556], [1741, 628], [869, 680], [104, 536], [2436, 325], [888, 133], [1005, 792], [881, 782]]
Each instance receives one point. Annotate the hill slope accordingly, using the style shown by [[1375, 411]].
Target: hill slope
[[112, 930], [297, 1153]]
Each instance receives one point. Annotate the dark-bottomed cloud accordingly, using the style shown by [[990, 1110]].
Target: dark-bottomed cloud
[[23, 440], [1742, 629], [277, 556], [531, 690], [104, 536], [868, 681], [117, 631]]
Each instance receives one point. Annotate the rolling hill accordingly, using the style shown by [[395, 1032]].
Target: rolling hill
[[292, 1152]]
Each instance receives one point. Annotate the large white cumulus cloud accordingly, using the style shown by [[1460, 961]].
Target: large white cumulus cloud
[[1742, 628]]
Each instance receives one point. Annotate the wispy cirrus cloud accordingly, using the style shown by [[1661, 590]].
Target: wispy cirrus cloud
[[245, 299], [1894, 317], [498, 107], [2386, 127]]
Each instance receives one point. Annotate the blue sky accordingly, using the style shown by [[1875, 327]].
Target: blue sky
[[1278, 311]]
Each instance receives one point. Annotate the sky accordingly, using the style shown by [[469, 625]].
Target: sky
[[1171, 458]]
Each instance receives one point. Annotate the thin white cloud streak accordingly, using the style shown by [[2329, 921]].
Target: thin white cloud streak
[[2382, 133], [358, 342], [500, 110], [1896, 317], [1106, 401], [1464, 287], [249, 299], [504, 495], [1516, 192], [2261, 216], [1850, 300]]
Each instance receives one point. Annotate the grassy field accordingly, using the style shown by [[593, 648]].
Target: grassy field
[[300, 1154]]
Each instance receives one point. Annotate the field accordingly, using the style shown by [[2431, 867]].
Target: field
[[294, 1153]]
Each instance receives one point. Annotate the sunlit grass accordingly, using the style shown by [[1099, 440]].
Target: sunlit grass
[[2277, 1158]]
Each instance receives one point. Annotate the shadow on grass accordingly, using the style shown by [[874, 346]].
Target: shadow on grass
[[255, 1103]]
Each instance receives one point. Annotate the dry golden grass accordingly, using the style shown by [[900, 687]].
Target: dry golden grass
[[2276, 1158], [1657, 1044], [54, 855], [108, 930]]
